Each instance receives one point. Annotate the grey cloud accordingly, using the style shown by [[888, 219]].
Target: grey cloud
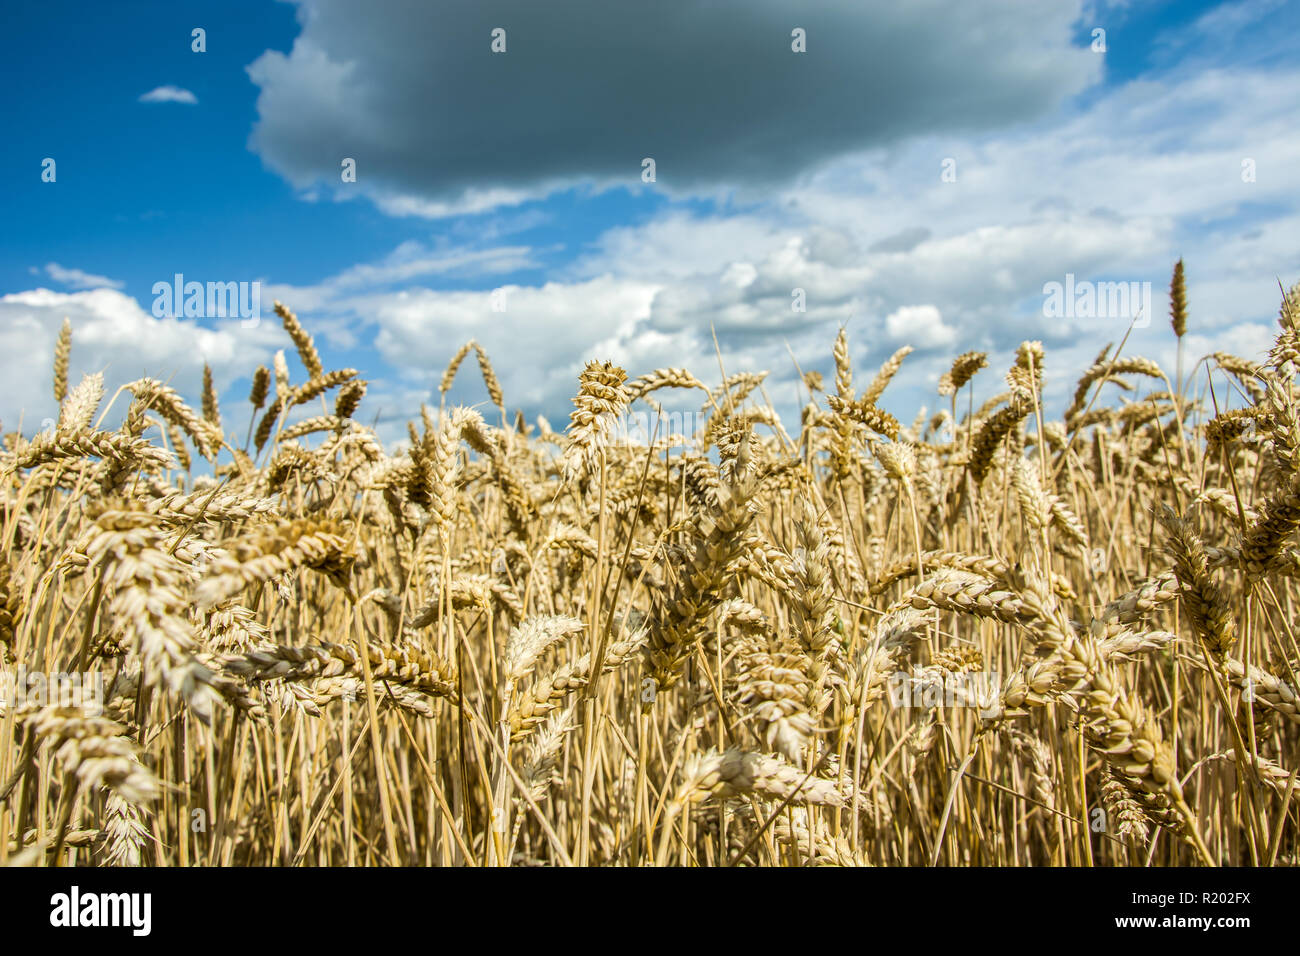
[[712, 91], [904, 241]]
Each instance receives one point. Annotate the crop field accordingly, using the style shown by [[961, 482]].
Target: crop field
[[255, 635]]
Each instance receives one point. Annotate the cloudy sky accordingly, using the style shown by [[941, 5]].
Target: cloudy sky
[[919, 170]]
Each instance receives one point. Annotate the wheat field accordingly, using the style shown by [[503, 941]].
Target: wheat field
[[987, 637]]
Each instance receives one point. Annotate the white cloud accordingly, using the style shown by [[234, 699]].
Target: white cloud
[[113, 334], [472, 201], [410, 261], [77, 279], [920, 326], [538, 344], [169, 94], [677, 245]]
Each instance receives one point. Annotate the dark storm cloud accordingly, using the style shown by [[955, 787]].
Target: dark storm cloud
[[587, 88]]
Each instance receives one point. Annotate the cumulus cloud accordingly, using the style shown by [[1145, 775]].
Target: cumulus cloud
[[920, 326], [1146, 174], [538, 342], [77, 279], [113, 334], [169, 94], [853, 228], [714, 93], [879, 243], [677, 245]]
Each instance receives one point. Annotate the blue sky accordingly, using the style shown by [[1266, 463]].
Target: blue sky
[[776, 170]]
